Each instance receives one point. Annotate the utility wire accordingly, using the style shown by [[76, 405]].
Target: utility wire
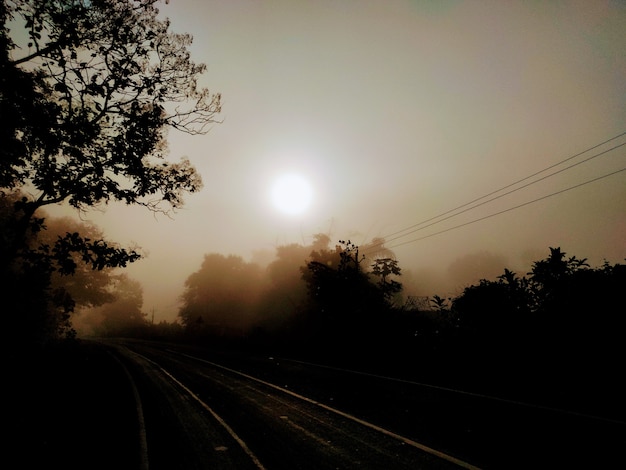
[[509, 209], [514, 183], [407, 230], [502, 195]]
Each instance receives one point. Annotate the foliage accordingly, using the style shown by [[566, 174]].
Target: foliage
[[56, 271], [104, 79], [562, 305], [345, 304], [285, 294], [220, 297], [123, 316], [283, 304], [550, 276], [336, 281], [439, 303], [88, 285], [384, 268], [342, 296], [92, 88]]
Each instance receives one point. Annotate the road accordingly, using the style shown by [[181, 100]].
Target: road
[[203, 409]]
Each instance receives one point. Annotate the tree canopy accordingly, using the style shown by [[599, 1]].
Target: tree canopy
[[92, 88], [123, 316], [222, 295], [92, 94]]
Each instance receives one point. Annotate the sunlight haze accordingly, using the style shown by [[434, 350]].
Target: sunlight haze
[[291, 194], [394, 113]]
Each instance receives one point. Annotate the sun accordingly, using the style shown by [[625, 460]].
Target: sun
[[291, 194]]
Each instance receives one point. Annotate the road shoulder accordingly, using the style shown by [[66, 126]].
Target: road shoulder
[[71, 405]]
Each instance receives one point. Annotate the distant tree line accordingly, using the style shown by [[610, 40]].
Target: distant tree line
[[561, 322], [307, 294]]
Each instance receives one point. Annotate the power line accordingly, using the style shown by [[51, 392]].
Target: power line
[[509, 209], [516, 182], [408, 230], [502, 195]]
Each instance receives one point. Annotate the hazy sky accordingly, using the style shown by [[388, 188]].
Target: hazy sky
[[396, 112]]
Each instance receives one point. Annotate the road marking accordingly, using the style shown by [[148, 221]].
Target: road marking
[[218, 418], [305, 431], [143, 441], [384, 431]]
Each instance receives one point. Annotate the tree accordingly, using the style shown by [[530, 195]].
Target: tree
[[221, 297], [92, 91], [384, 268], [549, 278], [123, 315], [285, 292], [487, 308], [57, 271], [332, 278], [105, 80], [87, 287], [346, 307]]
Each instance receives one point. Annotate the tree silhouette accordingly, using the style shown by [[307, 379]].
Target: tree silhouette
[[563, 322], [550, 277], [346, 307], [123, 316], [221, 297], [91, 92], [384, 268], [286, 291], [106, 79]]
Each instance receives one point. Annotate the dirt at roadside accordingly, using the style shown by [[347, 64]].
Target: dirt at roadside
[[72, 407]]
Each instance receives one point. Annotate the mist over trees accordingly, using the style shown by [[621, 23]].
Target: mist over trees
[[308, 295], [68, 286], [560, 324], [325, 297], [219, 298], [62, 266], [470, 268], [86, 286], [347, 298], [91, 88], [120, 316]]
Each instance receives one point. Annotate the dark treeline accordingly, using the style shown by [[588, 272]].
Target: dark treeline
[[307, 294], [558, 327]]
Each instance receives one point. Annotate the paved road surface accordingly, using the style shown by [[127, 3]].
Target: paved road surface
[[287, 414], [140, 405]]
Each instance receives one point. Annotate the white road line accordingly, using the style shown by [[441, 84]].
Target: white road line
[[143, 441], [408, 441], [230, 430]]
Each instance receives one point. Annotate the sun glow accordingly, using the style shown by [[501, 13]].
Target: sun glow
[[291, 194]]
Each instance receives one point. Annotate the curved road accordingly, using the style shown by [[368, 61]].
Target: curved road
[[200, 409]]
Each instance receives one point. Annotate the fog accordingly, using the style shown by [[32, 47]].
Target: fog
[[397, 112]]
